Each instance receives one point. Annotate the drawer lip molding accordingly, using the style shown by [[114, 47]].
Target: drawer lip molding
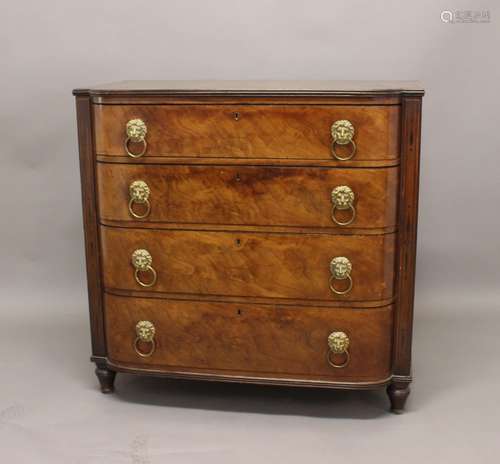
[[247, 228], [264, 340], [249, 195], [354, 305], [227, 161]]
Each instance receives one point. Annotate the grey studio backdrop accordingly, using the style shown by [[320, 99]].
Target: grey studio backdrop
[[50, 406]]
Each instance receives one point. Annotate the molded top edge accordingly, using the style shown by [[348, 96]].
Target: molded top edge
[[255, 88]]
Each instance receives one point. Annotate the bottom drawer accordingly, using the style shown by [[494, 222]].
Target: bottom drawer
[[284, 342]]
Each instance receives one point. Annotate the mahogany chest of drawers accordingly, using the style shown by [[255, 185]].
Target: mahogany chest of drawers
[[258, 232]]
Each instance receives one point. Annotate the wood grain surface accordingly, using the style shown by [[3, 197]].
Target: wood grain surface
[[278, 340], [300, 131], [250, 264], [261, 196]]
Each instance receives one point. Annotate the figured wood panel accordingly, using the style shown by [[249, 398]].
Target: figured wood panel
[[251, 338], [266, 196], [250, 264], [274, 131]]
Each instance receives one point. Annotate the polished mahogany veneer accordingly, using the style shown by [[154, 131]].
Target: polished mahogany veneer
[[252, 231], [234, 131], [261, 340], [249, 195], [293, 266]]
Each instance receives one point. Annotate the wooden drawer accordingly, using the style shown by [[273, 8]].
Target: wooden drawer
[[252, 196], [268, 265], [249, 131], [223, 338]]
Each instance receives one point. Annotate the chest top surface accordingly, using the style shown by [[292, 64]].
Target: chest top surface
[[256, 87]]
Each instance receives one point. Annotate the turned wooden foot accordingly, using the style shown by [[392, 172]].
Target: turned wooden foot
[[106, 378], [398, 392]]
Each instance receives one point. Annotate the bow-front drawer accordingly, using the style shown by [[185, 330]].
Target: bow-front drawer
[[267, 265], [316, 343], [251, 196], [340, 133]]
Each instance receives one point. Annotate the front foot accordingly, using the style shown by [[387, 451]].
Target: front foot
[[398, 392], [106, 377]]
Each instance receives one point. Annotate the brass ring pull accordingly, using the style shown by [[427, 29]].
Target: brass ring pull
[[338, 343], [140, 353], [135, 155], [139, 194], [145, 332], [142, 261], [134, 214], [342, 134], [343, 199], [136, 131], [344, 158], [154, 277], [345, 223], [340, 292], [340, 268]]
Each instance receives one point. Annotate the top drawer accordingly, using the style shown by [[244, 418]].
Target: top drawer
[[250, 131]]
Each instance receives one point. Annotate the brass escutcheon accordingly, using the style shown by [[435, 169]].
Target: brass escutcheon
[[343, 199], [139, 194], [342, 134], [136, 131], [340, 268]]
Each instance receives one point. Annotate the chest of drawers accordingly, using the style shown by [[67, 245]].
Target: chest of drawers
[[258, 232]]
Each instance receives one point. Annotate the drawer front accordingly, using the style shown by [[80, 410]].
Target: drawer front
[[265, 265], [263, 196], [237, 131], [286, 341]]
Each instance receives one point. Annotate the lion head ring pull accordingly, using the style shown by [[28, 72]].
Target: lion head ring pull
[[136, 131], [139, 195], [340, 268], [142, 260], [145, 333], [343, 199], [342, 134], [338, 344]]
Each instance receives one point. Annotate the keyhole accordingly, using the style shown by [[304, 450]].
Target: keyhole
[[238, 178], [238, 242], [236, 116], [239, 312]]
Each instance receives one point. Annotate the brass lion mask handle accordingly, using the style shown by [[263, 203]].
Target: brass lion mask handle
[[340, 268], [139, 194], [145, 332], [142, 262], [342, 134], [136, 131], [338, 344], [343, 199]]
